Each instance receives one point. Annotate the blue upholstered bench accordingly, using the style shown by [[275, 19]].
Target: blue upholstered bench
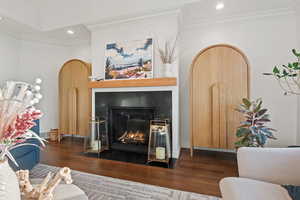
[[27, 156]]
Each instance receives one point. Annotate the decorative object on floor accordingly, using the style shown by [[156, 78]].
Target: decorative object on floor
[[168, 57], [219, 79], [97, 140], [129, 60], [53, 135], [159, 149], [43, 191], [253, 132], [288, 76], [100, 187], [17, 115], [75, 100]]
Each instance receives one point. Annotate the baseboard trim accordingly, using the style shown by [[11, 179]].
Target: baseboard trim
[[211, 149]]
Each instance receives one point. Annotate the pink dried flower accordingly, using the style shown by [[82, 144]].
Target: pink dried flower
[[24, 122], [18, 98]]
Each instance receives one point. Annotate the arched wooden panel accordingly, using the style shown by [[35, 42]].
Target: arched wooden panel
[[219, 79], [74, 98]]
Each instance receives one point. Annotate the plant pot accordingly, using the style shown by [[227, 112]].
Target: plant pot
[[168, 70], [9, 184]]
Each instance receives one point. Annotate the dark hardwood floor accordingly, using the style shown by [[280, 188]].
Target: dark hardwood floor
[[200, 174]]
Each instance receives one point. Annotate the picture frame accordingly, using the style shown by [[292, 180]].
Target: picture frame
[[129, 60]]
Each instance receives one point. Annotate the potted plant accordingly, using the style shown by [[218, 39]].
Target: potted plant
[[167, 56], [253, 132]]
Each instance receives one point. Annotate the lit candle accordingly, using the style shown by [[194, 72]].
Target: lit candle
[[95, 144], [160, 153]]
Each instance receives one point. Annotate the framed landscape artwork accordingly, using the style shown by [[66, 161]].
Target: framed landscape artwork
[[129, 60]]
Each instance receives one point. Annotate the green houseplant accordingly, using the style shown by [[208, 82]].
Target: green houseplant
[[288, 76], [253, 132]]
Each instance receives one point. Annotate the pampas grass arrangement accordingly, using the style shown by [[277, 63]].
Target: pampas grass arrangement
[[167, 54]]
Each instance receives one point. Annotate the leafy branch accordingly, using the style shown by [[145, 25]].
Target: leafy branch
[[288, 76]]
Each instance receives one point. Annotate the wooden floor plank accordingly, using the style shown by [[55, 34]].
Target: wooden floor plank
[[200, 174]]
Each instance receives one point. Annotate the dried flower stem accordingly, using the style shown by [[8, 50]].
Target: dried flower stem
[[167, 55]]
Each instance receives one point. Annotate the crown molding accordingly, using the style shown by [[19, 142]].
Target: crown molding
[[9, 33], [122, 20], [199, 22], [41, 40], [55, 42], [25, 33]]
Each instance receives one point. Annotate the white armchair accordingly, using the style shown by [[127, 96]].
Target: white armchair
[[262, 171]]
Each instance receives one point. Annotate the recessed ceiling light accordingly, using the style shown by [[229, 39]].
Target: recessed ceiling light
[[70, 32], [1, 18], [220, 6]]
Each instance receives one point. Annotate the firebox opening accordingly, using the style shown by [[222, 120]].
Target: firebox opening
[[130, 128], [133, 138]]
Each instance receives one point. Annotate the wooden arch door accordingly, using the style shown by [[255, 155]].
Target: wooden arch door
[[219, 79], [74, 98]]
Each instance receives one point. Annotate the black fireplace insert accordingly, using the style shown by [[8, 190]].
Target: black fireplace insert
[[129, 128]]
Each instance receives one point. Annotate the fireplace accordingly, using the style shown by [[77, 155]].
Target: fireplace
[[133, 137], [128, 116], [129, 128]]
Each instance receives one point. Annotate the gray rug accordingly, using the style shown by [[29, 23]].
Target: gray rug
[[106, 188]]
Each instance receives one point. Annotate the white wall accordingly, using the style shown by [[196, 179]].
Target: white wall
[[267, 41], [160, 28], [27, 60], [44, 61], [297, 8], [9, 57], [39, 60], [82, 52]]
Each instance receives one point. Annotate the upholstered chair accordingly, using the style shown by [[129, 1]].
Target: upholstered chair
[[262, 171]]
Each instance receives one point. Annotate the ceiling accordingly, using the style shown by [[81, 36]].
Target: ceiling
[[58, 36], [48, 15], [50, 19], [234, 8], [72, 12]]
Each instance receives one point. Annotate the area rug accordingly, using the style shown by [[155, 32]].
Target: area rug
[[106, 188]]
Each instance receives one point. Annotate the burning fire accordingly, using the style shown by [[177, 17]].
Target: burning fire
[[133, 137]]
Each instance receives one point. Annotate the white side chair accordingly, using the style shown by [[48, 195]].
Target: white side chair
[[262, 171]]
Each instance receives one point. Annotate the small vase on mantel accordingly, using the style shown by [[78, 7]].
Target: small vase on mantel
[[168, 67], [9, 184]]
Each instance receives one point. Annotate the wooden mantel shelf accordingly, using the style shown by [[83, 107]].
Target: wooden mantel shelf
[[153, 82]]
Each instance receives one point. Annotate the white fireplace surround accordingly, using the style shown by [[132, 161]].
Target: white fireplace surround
[[175, 108]]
